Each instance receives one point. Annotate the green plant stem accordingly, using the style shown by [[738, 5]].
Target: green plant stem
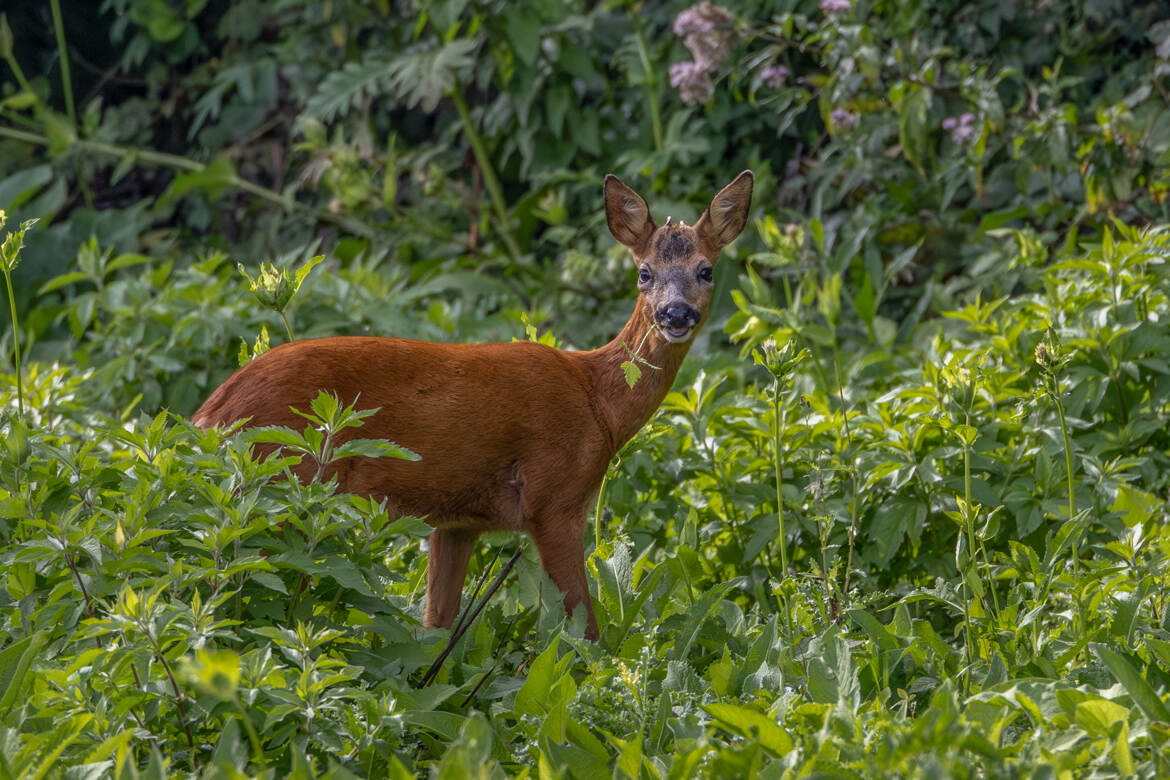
[[15, 342], [1075, 539], [597, 517], [968, 526], [19, 73], [990, 579], [1068, 464], [852, 470], [490, 180], [651, 87], [158, 651], [1068, 470], [287, 327], [969, 519], [777, 431], [163, 159], [63, 53]]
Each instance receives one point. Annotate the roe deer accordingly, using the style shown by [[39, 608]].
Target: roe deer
[[511, 436]]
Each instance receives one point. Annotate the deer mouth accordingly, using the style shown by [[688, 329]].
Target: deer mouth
[[678, 333]]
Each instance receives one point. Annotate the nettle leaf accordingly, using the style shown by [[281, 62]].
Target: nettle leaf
[[632, 372], [278, 434], [269, 580], [373, 448]]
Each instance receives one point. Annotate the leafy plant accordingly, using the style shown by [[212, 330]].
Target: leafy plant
[[9, 258]]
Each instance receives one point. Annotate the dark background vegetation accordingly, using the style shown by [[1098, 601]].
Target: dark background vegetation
[[923, 531]]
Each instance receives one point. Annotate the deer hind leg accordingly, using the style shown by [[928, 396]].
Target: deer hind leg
[[562, 554], [446, 569]]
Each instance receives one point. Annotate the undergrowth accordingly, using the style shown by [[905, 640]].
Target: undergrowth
[[944, 601]]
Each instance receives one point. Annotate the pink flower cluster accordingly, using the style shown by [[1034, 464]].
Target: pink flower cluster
[[835, 6], [706, 32], [692, 81], [962, 128], [842, 119], [774, 75]]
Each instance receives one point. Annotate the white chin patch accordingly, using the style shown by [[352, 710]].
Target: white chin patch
[[677, 335]]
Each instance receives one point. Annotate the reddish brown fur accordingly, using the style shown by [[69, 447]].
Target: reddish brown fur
[[511, 436]]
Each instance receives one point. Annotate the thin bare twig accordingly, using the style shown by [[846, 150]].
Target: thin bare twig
[[433, 672], [475, 593]]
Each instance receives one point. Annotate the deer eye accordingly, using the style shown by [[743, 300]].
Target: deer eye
[[644, 275], [705, 273]]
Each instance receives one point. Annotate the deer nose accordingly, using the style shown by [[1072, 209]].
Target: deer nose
[[677, 315]]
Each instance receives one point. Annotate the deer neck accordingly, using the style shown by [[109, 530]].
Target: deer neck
[[623, 408]]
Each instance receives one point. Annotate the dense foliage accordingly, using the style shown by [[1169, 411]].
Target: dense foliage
[[904, 515]]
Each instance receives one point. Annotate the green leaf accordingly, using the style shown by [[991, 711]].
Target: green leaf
[[303, 272], [632, 372], [445, 724], [6, 38], [522, 27], [822, 685], [373, 448], [278, 434], [818, 233], [645, 590], [1135, 504], [215, 180], [411, 526], [62, 737], [751, 725], [877, 632], [533, 697], [967, 434], [15, 661], [57, 282], [1143, 694], [159, 19], [696, 616], [269, 580], [630, 758], [18, 188], [345, 89], [230, 750], [1099, 716], [417, 76], [913, 127], [13, 244]]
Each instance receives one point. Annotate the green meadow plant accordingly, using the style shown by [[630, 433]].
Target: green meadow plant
[[780, 362], [275, 287], [174, 604], [9, 258]]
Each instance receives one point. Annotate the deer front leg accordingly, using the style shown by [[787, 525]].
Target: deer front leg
[[446, 570], [562, 554]]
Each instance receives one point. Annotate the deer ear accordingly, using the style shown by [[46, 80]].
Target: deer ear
[[628, 217], [725, 218]]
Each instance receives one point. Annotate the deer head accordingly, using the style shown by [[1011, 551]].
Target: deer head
[[676, 262]]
